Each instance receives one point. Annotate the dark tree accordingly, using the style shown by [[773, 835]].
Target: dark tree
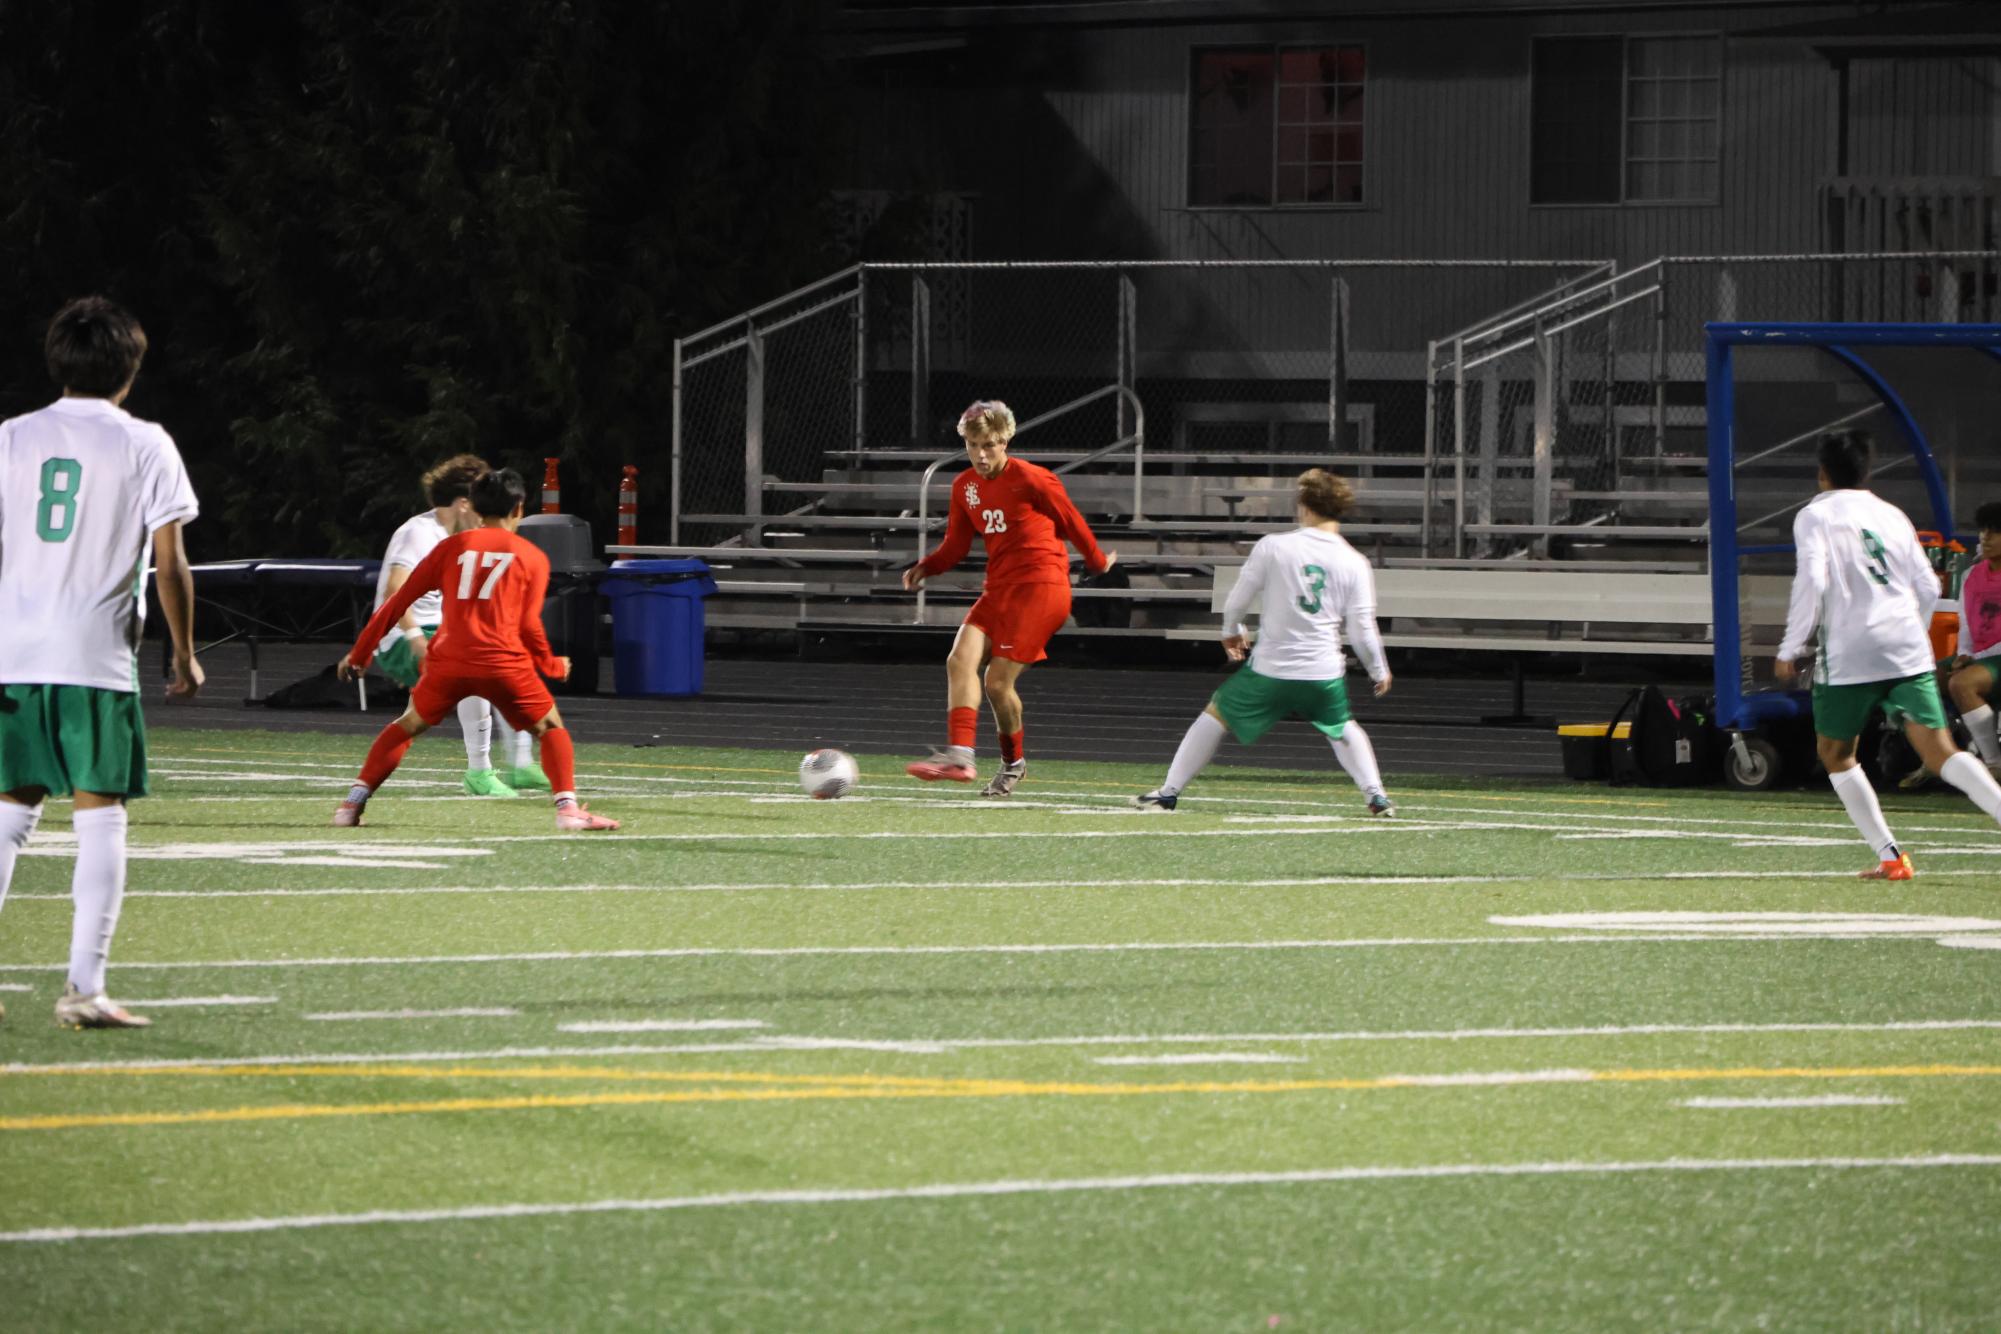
[[365, 236]]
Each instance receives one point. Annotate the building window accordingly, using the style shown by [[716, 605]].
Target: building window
[[1276, 126], [1630, 120]]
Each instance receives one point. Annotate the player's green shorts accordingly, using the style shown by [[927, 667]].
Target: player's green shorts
[[1842, 712], [1990, 662], [1251, 704], [72, 739], [399, 664]]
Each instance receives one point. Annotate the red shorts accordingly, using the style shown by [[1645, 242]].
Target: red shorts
[[1020, 618], [520, 696]]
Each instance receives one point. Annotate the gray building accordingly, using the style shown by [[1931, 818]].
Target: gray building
[[1258, 129]]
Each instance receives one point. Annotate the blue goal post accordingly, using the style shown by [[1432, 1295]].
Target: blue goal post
[[1930, 394]]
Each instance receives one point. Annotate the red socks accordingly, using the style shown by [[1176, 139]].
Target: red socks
[[1010, 747], [559, 760], [961, 727], [391, 745]]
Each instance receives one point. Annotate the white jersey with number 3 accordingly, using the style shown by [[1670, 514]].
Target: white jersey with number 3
[[1864, 580], [83, 486], [1307, 585]]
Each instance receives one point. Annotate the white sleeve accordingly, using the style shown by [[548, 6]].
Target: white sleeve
[[1359, 616], [169, 495], [1809, 581], [399, 553], [1250, 586]]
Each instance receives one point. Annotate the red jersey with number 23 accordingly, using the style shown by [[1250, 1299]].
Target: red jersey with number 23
[[492, 583], [1024, 516]]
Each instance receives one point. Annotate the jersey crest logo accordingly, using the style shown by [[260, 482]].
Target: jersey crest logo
[[972, 495]]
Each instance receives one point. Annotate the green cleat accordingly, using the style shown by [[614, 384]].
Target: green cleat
[[487, 783], [527, 777]]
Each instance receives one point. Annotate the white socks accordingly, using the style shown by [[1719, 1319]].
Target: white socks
[[1980, 722], [1971, 777], [518, 746], [1358, 757], [16, 823], [1852, 786], [98, 889], [476, 718], [1196, 750]]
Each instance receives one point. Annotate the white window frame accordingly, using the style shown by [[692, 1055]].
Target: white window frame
[[1626, 199], [1277, 50]]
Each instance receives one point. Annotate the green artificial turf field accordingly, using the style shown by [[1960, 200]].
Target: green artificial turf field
[[1547, 1056]]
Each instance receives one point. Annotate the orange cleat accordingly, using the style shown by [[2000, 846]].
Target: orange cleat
[[1894, 868], [943, 766]]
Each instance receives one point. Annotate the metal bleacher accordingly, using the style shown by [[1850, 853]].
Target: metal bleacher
[[1565, 432]]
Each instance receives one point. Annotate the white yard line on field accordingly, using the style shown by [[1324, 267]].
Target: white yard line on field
[[1337, 792], [464, 1012], [1821, 1100], [203, 1001], [900, 951], [781, 886], [659, 1025], [965, 1189], [930, 1044]]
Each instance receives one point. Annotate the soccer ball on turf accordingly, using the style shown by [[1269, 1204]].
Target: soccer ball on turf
[[826, 774]]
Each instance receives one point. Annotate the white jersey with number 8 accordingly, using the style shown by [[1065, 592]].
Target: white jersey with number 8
[[83, 486], [1308, 586], [1864, 580]]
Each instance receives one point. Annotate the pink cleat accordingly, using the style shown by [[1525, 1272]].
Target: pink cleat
[[347, 815], [950, 763], [574, 816]]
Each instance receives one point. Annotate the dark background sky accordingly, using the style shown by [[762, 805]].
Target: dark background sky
[[363, 237]]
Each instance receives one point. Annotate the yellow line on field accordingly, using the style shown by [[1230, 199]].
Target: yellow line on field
[[404, 1071], [827, 1088]]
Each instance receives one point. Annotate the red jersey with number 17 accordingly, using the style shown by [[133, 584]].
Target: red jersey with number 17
[[1024, 516], [492, 583]]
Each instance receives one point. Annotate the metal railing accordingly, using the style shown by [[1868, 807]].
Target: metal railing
[[1557, 370]]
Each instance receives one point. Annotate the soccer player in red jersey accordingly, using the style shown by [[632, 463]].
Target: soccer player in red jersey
[[1024, 516], [489, 645]]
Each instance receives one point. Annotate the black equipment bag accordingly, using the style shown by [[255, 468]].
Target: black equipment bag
[[1672, 743], [1104, 613]]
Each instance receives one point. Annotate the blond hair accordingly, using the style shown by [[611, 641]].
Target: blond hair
[[1325, 494], [988, 419]]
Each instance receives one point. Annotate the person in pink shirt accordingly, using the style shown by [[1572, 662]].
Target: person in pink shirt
[[1975, 671]]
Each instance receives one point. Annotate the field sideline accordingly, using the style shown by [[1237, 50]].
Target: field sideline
[[1533, 1054]]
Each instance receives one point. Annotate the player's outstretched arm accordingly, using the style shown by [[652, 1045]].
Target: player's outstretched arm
[[423, 579], [176, 583], [1053, 500], [1244, 595], [948, 553], [534, 590]]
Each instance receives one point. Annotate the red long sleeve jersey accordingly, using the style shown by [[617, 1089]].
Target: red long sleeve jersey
[[493, 583], [1024, 516]]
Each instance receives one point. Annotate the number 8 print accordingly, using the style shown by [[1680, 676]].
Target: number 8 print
[[56, 515]]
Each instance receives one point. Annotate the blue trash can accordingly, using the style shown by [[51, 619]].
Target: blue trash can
[[657, 625]]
